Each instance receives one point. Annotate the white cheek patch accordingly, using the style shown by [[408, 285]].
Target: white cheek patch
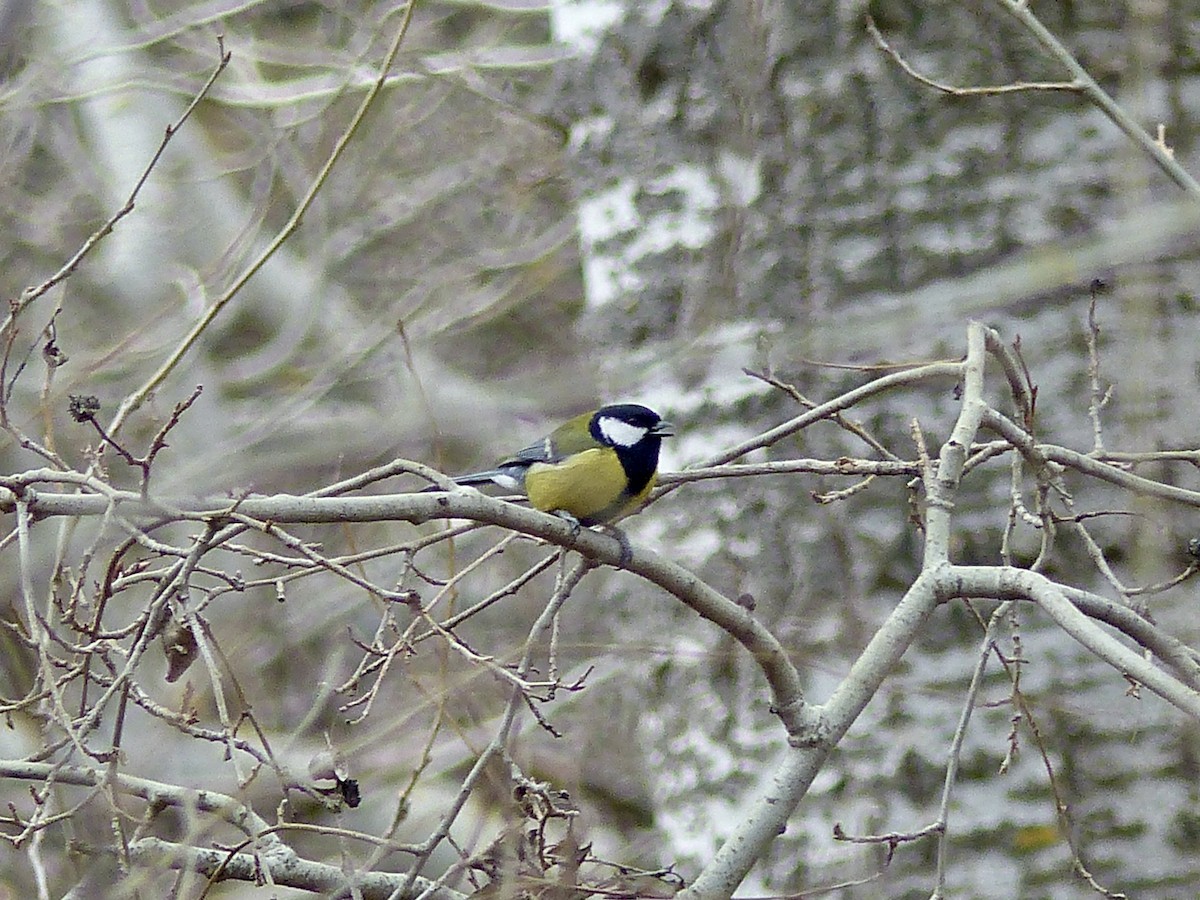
[[620, 433]]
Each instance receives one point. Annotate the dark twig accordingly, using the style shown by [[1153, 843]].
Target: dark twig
[[84, 408]]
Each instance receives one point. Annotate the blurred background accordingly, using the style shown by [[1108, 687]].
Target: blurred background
[[559, 202]]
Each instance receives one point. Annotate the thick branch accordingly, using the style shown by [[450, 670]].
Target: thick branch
[[1004, 583], [157, 793], [289, 871], [768, 813], [784, 680]]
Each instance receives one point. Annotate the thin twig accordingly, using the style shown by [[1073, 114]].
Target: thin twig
[[1021, 11], [135, 399], [1014, 87], [29, 295]]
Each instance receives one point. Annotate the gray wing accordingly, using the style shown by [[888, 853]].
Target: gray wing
[[510, 473], [543, 451]]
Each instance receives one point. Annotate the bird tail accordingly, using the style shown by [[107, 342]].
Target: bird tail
[[509, 479], [473, 478]]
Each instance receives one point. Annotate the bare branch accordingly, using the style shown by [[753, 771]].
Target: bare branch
[[29, 295], [1165, 160], [1015, 87]]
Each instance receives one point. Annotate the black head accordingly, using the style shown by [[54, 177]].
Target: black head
[[625, 425], [636, 433]]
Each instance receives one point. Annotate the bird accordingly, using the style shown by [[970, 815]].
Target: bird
[[592, 469]]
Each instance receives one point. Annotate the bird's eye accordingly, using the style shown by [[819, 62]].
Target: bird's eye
[[620, 433]]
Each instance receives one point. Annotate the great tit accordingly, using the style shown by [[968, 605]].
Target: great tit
[[593, 468]]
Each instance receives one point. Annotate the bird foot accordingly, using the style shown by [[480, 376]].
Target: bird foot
[[626, 556], [575, 524]]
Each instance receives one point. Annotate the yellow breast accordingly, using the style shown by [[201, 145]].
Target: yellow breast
[[589, 485]]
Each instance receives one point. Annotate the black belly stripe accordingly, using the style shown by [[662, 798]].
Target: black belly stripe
[[640, 463]]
